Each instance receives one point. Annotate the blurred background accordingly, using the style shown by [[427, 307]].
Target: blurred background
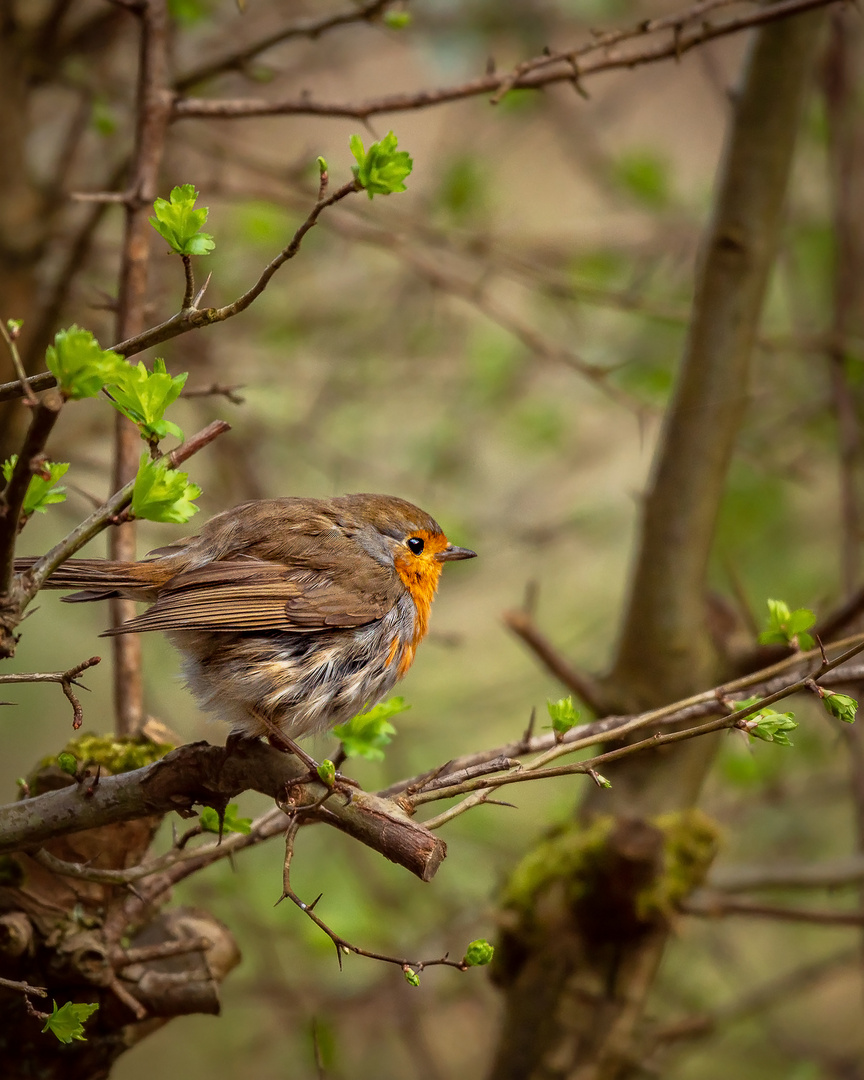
[[432, 345]]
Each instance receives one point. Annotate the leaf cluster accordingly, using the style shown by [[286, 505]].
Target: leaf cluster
[[67, 1022], [366, 735], [787, 627], [382, 169], [564, 715], [178, 221], [42, 491]]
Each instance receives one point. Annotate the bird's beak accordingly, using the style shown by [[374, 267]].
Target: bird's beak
[[451, 553]]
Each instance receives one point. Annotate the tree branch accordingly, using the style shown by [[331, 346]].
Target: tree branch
[[572, 66], [212, 775]]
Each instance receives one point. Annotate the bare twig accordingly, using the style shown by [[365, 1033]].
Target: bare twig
[[308, 28], [215, 389], [829, 874], [11, 390], [521, 623], [592, 60], [66, 679], [25, 988], [716, 905], [11, 345], [341, 944], [194, 318]]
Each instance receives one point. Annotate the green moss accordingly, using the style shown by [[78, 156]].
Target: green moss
[[571, 855], [690, 844], [574, 854], [116, 755]]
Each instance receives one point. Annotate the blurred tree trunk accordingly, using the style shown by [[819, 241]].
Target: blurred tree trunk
[[582, 940]]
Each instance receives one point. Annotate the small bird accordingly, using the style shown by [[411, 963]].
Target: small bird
[[292, 615]]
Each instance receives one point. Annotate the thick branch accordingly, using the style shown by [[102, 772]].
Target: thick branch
[[212, 775]]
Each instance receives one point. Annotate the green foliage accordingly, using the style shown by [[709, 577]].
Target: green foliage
[[78, 363], [564, 715], [143, 396], [644, 176], [366, 735], [411, 976], [67, 1022], [42, 491], [189, 12], [327, 772], [463, 187], [397, 20], [479, 953], [231, 821], [771, 726], [382, 168], [787, 627], [102, 117], [840, 705], [68, 763], [162, 493], [177, 221]]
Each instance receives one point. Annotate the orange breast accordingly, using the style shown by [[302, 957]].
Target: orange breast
[[419, 575]]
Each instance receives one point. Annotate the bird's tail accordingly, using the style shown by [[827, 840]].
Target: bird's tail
[[99, 579]]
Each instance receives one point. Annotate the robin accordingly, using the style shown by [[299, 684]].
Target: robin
[[293, 614]]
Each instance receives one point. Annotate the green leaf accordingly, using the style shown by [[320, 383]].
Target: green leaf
[[367, 734], [162, 493], [67, 1022], [177, 221], [143, 396], [479, 953], [397, 20], [787, 627], [564, 715], [79, 365], [771, 726], [42, 491], [411, 976], [68, 763], [209, 820], [381, 169], [645, 176], [322, 166], [327, 772], [840, 705]]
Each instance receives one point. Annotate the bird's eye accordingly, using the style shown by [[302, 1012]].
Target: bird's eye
[[415, 545]]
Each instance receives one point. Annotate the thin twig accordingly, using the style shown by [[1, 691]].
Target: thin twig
[[67, 680], [25, 988], [716, 905], [194, 318], [735, 719], [11, 345], [592, 61], [341, 944], [309, 28], [586, 688]]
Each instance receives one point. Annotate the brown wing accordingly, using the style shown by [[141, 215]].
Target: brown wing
[[247, 595]]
